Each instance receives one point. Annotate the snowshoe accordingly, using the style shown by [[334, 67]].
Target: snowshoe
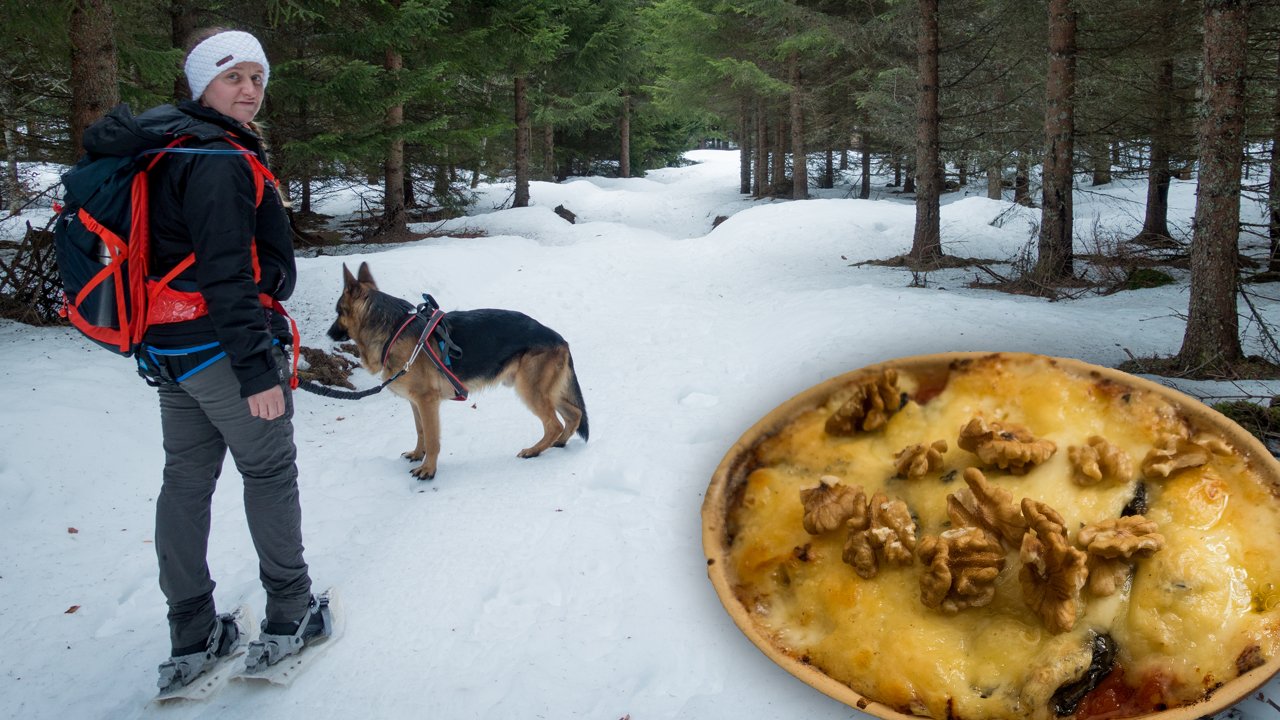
[[270, 648], [226, 641]]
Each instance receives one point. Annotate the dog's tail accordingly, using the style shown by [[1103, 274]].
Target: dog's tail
[[575, 397]]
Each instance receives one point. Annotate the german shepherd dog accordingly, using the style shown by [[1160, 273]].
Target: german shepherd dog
[[498, 346]]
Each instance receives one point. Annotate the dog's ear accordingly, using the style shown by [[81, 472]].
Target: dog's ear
[[348, 280], [365, 276]]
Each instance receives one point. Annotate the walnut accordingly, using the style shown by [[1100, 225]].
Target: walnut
[[1006, 446], [1099, 460], [1106, 576], [988, 507], [890, 534], [963, 564], [1172, 453], [1110, 545], [873, 401], [1212, 443], [893, 528], [830, 505], [1129, 536], [1053, 572], [916, 461], [860, 553]]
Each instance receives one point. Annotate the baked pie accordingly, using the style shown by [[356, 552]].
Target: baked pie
[[999, 537]]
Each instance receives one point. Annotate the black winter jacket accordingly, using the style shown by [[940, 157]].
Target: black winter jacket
[[205, 204]]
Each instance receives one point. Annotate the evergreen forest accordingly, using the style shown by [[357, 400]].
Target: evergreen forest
[[426, 98]]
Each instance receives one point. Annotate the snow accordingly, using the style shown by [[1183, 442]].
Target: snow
[[567, 586]]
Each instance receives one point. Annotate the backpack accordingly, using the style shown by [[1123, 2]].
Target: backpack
[[102, 241]]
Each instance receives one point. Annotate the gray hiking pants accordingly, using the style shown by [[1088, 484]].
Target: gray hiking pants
[[202, 418]]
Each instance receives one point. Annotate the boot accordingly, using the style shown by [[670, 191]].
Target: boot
[[277, 643], [181, 669]]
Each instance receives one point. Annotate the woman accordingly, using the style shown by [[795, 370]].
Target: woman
[[217, 347]]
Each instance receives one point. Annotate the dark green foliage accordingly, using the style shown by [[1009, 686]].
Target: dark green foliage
[[1263, 422], [1142, 278], [691, 69]]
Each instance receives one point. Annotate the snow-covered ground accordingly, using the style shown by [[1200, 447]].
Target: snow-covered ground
[[568, 586]]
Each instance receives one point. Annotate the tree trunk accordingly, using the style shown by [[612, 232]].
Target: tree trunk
[[828, 180], [1022, 181], [897, 170], [779, 157], [624, 158], [182, 25], [1273, 186], [1055, 260], [94, 67], [441, 184], [762, 150], [522, 143], [962, 170], [744, 146], [799, 158], [995, 182], [1212, 339], [394, 216], [864, 192], [1155, 227], [306, 192], [549, 152], [1100, 156], [909, 176], [13, 197], [926, 244], [844, 159], [480, 162]]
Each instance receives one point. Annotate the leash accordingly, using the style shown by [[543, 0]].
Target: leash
[[312, 386], [447, 346]]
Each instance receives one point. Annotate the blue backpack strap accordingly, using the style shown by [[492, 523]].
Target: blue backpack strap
[[202, 355]]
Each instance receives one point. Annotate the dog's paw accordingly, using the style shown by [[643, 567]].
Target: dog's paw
[[529, 453], [423, 473], [414, 455]]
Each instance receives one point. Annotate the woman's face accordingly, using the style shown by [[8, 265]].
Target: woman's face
[[236, 92]]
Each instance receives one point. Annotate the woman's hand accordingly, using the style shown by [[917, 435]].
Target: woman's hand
[[268, 404]]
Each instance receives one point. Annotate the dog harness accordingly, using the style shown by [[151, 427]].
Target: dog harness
[[432, 336], [443, 360]]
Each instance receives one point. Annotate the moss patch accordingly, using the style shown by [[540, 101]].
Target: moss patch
[[1263, 422], [1141, 278]]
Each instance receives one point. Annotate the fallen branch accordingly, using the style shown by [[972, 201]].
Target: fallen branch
[[1262, 324]]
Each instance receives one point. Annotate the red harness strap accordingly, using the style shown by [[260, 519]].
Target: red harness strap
[[424, 343], [166, 304], [275, 305]]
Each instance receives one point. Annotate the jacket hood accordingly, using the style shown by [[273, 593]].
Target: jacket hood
[[122, 134]]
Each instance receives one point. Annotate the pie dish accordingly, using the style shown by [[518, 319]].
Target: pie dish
[[997, 536]]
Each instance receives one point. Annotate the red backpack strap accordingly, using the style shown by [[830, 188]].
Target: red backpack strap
[[160, 153], [140, 236], [260, 171], [275, 305], [261, 174]]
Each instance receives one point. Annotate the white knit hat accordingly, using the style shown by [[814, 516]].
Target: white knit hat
[[215, 54]]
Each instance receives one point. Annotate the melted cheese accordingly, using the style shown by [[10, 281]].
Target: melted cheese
[[1191, 610]]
